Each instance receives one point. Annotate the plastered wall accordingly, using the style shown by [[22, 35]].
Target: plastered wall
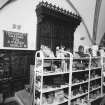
[[22, 12], [19, 12]]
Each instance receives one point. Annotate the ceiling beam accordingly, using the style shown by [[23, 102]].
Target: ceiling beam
[[96, 18]]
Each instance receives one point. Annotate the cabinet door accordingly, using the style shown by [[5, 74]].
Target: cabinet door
[[18, 66]]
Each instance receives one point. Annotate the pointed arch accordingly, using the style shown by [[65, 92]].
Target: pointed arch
[[96, 18], [82, 20]]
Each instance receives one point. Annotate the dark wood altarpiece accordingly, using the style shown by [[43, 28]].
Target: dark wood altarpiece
[[55, 26]]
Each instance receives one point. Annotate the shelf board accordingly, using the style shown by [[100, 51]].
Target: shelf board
[[91, 100], [85, 58], [87, 69], [57, 103], [96, 57], [104, 74], [55, 58], [54, 89], [95, 78], [81, 58], [79, 95], [95, 89], [55, 73], [80, 70], [95, 68], [51, 89], [74, 84]]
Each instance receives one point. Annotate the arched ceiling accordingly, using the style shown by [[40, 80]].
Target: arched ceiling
[[85, 9], [96, 18], [93, 15], [101, 23]]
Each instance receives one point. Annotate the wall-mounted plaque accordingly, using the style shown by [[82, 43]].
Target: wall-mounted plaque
[[15, 39]]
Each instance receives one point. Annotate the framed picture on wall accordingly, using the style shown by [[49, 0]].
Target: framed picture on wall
[[15, 39]]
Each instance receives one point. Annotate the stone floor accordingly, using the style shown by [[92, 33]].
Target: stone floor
[[24, 98], [10, 101]]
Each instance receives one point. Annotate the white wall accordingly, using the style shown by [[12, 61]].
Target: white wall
[[86, 9], [80, 34], [20, 12], [101, 23]]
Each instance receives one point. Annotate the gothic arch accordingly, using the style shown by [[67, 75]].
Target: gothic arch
[[96, 18]]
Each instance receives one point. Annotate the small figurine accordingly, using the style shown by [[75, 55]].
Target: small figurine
[[60, 52], [47, 52]]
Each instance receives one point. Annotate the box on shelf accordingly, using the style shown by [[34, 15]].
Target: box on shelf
[[59, 95]]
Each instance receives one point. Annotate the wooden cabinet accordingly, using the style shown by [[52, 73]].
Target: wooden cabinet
[[14, 70]]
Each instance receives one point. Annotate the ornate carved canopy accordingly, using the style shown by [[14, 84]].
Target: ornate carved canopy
[[44, 9], [55, 26]]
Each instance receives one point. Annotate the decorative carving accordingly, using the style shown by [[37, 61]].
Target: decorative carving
[[55, 26], [46, 8]]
